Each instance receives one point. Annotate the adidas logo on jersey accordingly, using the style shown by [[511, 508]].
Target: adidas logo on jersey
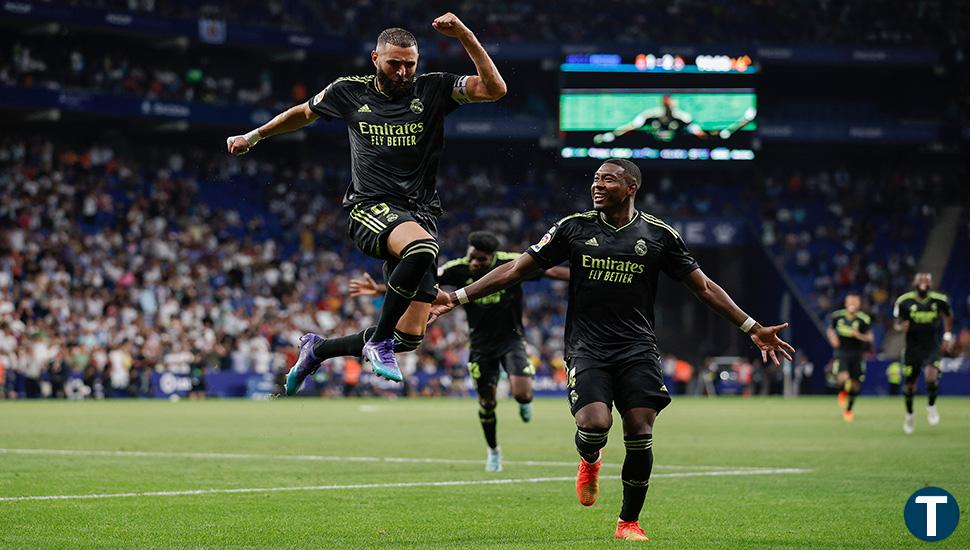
[[365, 108], [592, 242]]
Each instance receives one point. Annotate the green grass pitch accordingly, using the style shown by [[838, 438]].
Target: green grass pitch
[[857, 476]]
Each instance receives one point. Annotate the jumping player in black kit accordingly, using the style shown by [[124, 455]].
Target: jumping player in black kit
[[851, 337], [395, 120], [616, 255], [921, 314], [497, 336]]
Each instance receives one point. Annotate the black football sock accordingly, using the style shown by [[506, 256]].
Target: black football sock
[[486, 415], [353, 345], [343, 346], [589, 441], [932, 390], [636, 474], [852, 395], [403, 283], [909, 401], [406, 342]]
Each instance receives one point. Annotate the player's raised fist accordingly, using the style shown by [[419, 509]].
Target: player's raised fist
[[237, 145], [449, 25]]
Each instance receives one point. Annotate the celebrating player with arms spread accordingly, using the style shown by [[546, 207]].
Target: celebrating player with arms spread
[[396, 126], [616, 255]]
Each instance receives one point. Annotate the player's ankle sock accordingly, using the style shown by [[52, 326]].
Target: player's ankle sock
[[343, 346], [486, 415], [852, 396], [932, 389], [402, 285], [636, 474], [589, 441], [404, 342], [909, 402]]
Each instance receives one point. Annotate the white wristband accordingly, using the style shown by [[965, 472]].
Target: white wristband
[[947, 337], [747, 324], [462, 297], [252, 137]]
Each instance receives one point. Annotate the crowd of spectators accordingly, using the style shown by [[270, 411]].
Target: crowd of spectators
[[686, 21], [114, 267], [214, 76], [840, 229], [210, 75], [117, 262]]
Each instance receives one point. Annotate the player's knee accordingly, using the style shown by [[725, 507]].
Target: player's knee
[[594, 420], [487, 404], [522, 395], [421, 250], [416, 259], [404, 342]]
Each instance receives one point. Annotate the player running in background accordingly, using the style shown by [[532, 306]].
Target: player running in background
[[921, 314], [616, 255], [496, 333], [851, 337], [396, 125]]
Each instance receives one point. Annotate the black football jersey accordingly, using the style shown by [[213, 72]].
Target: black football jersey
[[494, 321], [613, 273], [845, 327], [925, 316], [395, 142]]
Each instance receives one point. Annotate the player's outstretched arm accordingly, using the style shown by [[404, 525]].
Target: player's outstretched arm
[[366, 286], [500, 278], [766, 338], [488, 84], [637, 122], [559, 273], [290, 120]]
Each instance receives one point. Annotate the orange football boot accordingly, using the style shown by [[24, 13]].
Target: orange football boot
[[629, 530], [588, 480]]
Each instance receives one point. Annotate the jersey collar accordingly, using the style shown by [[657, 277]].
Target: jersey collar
[[636, 216], [378, 90]]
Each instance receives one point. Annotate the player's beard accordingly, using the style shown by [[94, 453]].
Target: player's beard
[[394, 87]]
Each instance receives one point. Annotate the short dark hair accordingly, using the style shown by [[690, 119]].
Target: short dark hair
[[629, 168], [396, 36], [486, 241]]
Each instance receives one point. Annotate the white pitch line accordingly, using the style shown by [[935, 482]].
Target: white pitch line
[[766, 471], [327, 458]]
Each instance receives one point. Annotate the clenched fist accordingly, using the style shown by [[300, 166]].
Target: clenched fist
[[237, 145], [449, 25]]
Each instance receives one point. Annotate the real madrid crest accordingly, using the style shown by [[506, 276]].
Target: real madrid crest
[[641, 247], [416, 106]]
